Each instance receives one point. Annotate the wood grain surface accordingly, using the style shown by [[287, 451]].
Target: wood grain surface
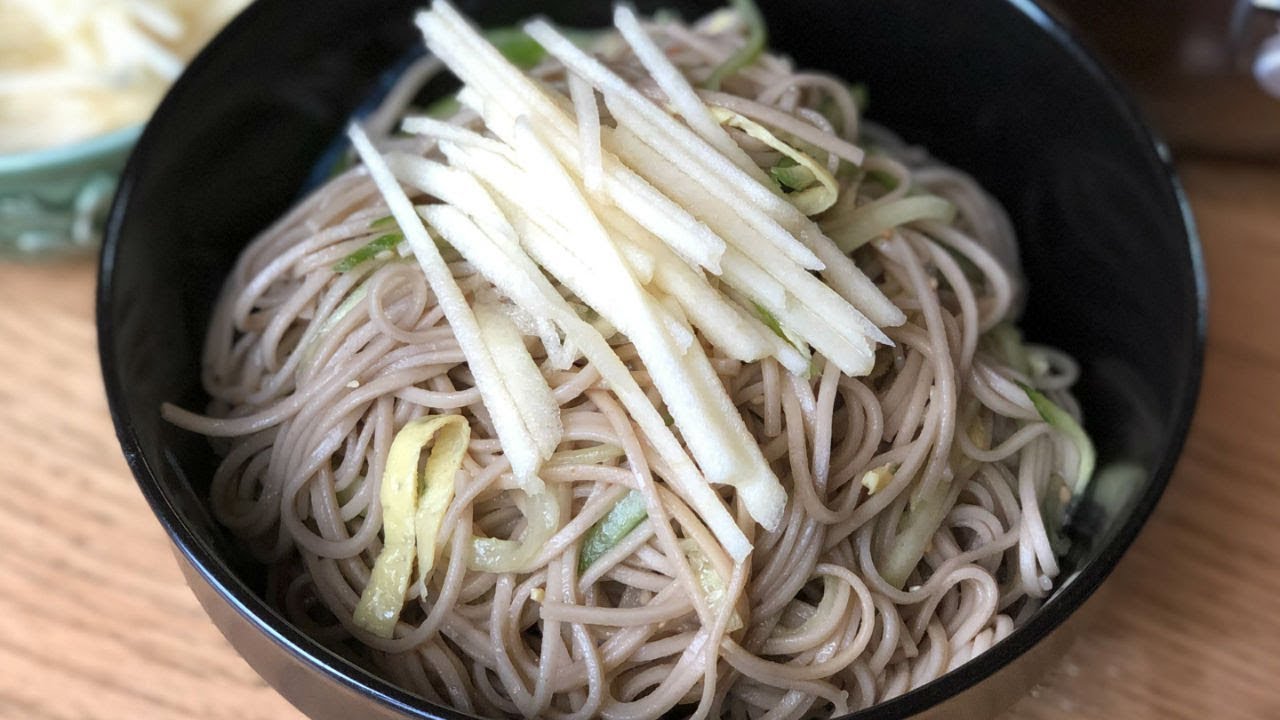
[[95, 622]]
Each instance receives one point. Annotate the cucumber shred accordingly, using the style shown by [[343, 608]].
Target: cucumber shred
[[612, 529], [1061, 420]]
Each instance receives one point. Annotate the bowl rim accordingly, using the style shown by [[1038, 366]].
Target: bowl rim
[[71, 153], [202, 560]]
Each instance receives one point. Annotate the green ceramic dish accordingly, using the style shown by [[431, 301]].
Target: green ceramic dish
[[54, 201]]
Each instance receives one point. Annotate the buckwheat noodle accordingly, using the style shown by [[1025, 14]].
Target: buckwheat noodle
[[313, 371]]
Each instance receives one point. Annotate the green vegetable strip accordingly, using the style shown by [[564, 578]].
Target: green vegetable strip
[[311, 341], [383, 243], [1062, 421], [868, 221], [410, 517], [347, 493], [385, 221], [594, 455], [817, 197], [1113, 484], [542, 516], [622, 518], [757, 38], [921, 521], [443, 108], [516, 46], [888, 180], [861, 96], [791, 175], [771, 321], [710, 582], [1007, 344]]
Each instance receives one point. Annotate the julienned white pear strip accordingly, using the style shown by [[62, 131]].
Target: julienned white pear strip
[[759, 486], [588, 115], [452, 186], [441, 130], [841, 317], [725, 219], [517, 439], [462, 190], [712, 427], [551, 147], [501, 85], [518, 187], [755, 227], [854, 356], [610, 85], [723, 322], [521, 375], [519, 279], [841, 272], [465, 31], [679, 93], [850, 282], [681, 145]]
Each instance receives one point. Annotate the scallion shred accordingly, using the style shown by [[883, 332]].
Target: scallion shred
[[791, 175], [1006, 342], [515, 45], [887, 180], [757, 38], [443, 108], [814, 197], [1062, 421], [381, 244]]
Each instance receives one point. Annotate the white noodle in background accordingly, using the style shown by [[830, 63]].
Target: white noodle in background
[[72, 69]]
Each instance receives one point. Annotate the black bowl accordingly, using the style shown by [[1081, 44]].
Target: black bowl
[[995, 87]]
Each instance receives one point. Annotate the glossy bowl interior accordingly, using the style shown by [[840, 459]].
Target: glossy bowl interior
[[992, 86]]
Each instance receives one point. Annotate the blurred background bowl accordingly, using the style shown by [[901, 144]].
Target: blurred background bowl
[[995, 87], [54, 200]]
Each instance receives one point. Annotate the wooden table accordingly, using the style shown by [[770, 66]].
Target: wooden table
[[95, 621]]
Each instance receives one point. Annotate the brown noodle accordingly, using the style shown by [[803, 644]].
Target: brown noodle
[[313, 371]]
